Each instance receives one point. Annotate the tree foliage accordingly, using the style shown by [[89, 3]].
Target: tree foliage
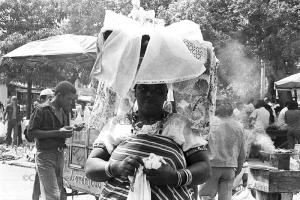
[[30, 20], [267, 29], [28, 15]]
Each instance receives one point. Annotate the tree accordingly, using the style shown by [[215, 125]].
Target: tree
[[268, 29], [22, 22], [87, 16], [272, 33], [29, 15]]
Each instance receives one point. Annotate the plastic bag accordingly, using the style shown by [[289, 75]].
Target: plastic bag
[[296, 196], [140, 188], [243, 195], [139, 185]]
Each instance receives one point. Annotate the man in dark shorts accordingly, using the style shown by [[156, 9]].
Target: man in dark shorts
[[49, 125]]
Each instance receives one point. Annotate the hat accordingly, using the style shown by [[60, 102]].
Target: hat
[[47, 92]]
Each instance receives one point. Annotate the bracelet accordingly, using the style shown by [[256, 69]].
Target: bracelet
[[179, 179], [188, 176], [107, 170]]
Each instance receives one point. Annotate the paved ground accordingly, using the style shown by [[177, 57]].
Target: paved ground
[[16, 183]]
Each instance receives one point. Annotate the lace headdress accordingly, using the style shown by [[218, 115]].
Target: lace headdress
[[176, 55]]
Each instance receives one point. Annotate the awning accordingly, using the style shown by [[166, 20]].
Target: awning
[[58, 45], [289, 83]]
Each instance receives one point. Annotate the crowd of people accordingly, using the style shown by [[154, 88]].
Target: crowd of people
[[120, 148], [266, 115]]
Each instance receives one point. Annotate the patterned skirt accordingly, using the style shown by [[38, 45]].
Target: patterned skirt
[[142, 145]]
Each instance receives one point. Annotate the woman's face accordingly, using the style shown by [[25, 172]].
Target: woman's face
[[150, 98]]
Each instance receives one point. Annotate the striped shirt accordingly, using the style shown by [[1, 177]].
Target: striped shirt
[[142, 145]]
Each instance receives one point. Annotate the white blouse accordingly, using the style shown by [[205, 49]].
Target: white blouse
[[176, 127]]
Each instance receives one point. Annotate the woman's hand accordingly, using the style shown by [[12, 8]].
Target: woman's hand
[[126, 167], [165, 175]]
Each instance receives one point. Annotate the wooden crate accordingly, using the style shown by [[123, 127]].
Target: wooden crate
[[274, 181]]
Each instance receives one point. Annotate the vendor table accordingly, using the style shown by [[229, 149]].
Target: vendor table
[[271, 183]]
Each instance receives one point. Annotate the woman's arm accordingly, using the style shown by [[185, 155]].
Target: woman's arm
[[95, 165], [198, 164], [98, 161]]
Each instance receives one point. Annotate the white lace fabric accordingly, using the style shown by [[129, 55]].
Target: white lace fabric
[[176, 128]]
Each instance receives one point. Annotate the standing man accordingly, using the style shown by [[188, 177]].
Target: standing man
[[13, 116], [227, 153], [46, 96], [292, 119], [281, 118], [49, 125]]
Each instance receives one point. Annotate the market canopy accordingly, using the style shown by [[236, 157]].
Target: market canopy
[[289, 83], [59, 46]]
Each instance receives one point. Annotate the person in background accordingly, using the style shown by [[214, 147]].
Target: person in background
[[281, 118], [292, 119], [35, 104], [45, 97], [260, 117], [269, 107], [13, 116], [49, 125], [250, 105], [79, 109], [1, 110], [248, 109], [227, 152], [237, 112]]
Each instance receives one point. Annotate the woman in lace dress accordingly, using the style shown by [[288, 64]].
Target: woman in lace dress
[[120, 147]]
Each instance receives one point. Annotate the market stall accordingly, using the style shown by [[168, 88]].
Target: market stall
[[273, 183], [290, 83]]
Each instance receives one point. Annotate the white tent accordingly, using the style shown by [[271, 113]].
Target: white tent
[[58, 45], [289, 83]]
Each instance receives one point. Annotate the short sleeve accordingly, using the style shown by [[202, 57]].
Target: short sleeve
[[36, 119], [179, 129], [112, 134]]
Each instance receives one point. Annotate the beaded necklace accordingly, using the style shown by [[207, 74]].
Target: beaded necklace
[[139, 127]]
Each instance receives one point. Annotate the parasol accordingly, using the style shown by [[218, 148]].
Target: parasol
[[57, 47], [55, 52]]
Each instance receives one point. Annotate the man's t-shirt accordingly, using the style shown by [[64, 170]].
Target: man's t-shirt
[[44, 118], [261, 116], [14, 112], [281, 117], [292, 119]]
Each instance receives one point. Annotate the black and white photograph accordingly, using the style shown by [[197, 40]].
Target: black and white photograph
[[149, 100]]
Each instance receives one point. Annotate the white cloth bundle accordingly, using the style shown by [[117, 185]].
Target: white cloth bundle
[[243, 195], [140, 189]]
